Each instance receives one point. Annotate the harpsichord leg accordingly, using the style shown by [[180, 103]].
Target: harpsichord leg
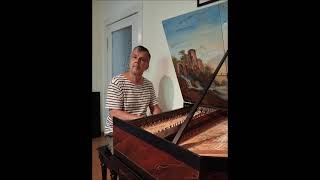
[[113, 174]]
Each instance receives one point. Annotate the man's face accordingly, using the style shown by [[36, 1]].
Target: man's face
[[139, 62]]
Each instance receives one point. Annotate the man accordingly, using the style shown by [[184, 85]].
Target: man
[[130, 94]]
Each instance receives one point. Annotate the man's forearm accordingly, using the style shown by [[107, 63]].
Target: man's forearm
[[123, 115]]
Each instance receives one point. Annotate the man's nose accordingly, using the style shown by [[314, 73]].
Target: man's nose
[[139, 60]]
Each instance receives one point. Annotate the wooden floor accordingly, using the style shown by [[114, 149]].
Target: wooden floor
[[96, 168]]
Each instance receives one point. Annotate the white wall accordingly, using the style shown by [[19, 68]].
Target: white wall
[[161, 71]]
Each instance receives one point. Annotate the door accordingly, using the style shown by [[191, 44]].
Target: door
[[121, 36]]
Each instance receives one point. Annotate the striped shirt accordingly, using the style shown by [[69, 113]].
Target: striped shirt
[[123, 95]]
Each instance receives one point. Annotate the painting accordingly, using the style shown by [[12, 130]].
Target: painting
[[197, 42], [204, 2]]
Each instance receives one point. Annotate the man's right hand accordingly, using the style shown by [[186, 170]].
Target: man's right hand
[[123, 115]]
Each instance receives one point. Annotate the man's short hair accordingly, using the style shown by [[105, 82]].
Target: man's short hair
[[142, 49]]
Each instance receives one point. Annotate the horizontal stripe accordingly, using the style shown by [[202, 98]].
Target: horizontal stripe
[[134, 99]]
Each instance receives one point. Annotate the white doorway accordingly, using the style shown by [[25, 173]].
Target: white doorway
[[120, 37]]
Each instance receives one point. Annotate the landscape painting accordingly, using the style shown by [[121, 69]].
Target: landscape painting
[[197, 41]]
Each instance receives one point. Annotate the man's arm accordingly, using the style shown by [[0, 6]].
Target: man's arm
[[123, 115], [155, 109]]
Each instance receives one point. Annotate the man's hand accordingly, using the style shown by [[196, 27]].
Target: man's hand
[[155, 109], [123, 115]]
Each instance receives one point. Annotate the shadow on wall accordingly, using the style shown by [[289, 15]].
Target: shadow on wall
[[166, 93]]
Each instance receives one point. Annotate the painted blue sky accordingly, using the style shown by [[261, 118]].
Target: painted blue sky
[[201, 30]]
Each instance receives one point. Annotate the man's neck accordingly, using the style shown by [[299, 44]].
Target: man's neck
[[135, 79]]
